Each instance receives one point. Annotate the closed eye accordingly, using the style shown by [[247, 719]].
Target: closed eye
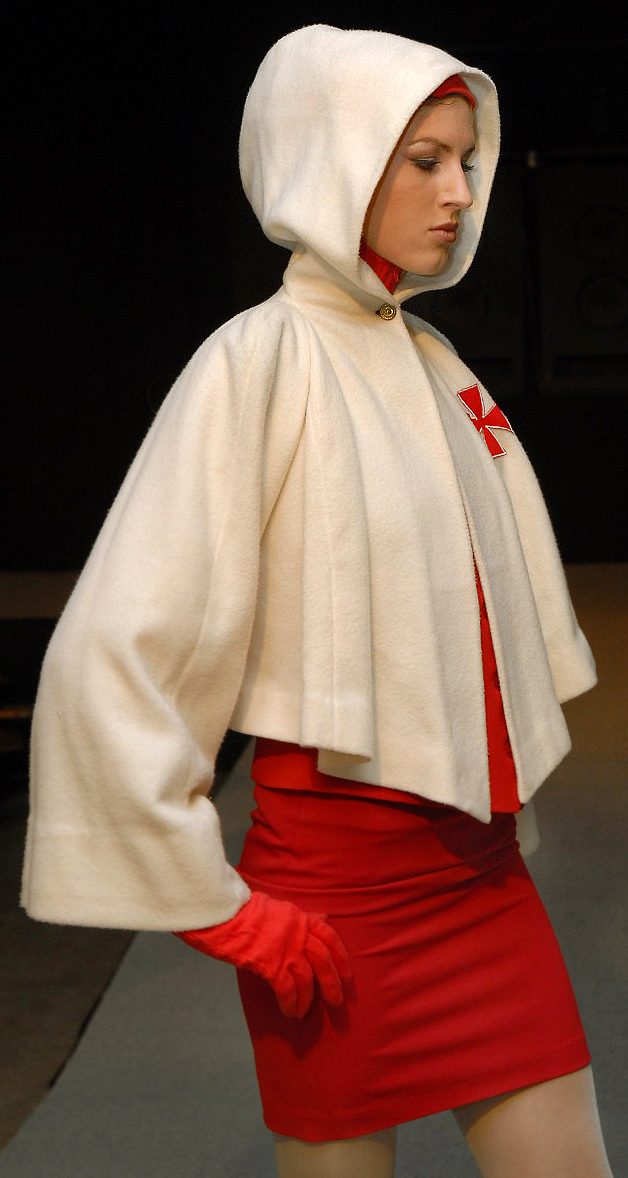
[[427, 165]]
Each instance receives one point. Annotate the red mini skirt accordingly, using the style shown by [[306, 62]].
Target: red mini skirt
[[459, 989]]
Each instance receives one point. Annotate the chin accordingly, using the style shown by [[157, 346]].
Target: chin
[[427, 267]]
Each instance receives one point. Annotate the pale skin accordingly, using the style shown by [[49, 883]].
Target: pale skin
[[425, 185], [551, 1129]]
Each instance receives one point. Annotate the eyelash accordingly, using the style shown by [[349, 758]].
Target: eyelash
[[428, 165]]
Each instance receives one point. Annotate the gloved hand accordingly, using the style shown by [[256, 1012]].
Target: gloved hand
[[285, 945]]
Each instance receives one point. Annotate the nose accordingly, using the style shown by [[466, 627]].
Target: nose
[[457, 192], [466, 200]]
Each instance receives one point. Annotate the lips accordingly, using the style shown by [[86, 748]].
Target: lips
[[446, 232]]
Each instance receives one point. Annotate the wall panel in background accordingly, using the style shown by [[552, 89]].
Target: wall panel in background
[[583, 271]]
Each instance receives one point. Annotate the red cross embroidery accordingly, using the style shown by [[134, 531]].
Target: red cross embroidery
[[484, 422]]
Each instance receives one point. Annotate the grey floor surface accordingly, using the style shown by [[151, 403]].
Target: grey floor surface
[[162, 1082]]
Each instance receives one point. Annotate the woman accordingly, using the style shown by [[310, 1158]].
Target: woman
[[332, 539]]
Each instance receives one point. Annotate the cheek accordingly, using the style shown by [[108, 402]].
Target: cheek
[[410, 207], [401, 211]]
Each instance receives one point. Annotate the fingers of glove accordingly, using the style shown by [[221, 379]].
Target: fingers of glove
[[324, 932], [294, 988], [325, 971]]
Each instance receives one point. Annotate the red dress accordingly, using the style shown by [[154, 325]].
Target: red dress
[[459, 989]]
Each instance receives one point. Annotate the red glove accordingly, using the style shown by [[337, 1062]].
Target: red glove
[[285, 945]]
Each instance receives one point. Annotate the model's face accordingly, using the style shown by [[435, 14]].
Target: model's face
[[414, 212]]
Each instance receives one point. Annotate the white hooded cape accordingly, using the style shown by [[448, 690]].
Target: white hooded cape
[[291, 553]]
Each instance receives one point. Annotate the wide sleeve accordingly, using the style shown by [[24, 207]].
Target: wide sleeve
[[144, 668]]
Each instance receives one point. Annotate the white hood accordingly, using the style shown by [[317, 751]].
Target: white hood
[[321, 120]]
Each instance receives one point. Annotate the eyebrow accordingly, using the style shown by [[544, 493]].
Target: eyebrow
[[438, 143]]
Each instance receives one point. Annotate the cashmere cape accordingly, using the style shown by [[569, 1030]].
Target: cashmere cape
[[292, 551]]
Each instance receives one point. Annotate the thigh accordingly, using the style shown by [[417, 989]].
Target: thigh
[[549, 1128], [370, 1156]]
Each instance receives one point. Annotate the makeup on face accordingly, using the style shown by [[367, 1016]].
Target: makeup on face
[[414, 214]]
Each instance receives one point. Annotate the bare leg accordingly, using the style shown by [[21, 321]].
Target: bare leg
[[371, 1156], [549, 1129]]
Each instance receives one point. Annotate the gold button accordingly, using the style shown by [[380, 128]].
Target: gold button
[[386, 311]]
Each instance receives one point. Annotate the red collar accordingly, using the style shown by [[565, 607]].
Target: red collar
[[386, 271]]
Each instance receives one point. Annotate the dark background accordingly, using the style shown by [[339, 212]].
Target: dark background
[[127, 240]]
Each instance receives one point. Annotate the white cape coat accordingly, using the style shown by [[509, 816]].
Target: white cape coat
[[291, 553]]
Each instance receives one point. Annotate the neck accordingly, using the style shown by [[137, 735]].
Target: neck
[[386, 271]]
